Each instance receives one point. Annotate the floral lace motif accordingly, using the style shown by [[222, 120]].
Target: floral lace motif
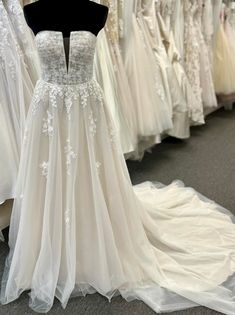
[[7, 43], [66, 94], [47, 124], [92, 123], [53, 59], [112, 27], [70, 155], [16, 15], [63, 89], [44, 168], [192, 51]]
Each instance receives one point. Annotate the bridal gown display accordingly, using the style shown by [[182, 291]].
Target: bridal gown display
[[25, 39], [79, 226], [26, 49], [12, 107], [174, 16], [192, 60], [107, 77], [154, 115], [206, 79], [111, 76], [224, 61]]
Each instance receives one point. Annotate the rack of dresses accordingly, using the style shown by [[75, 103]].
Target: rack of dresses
[[78, 225]]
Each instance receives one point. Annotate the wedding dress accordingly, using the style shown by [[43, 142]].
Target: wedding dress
[[111, 76], [177, 25], [224, 60], [192, 60], [217, 7], [107, 77], [182, 118], [79, 226], [208, 27], [153, 114], [206, 80], [26, 48], [175, 46], [12, 106], [174, 95], [25, 39]]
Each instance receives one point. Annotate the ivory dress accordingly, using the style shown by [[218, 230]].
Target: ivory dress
[[111, 75], [25, 39], [79, 226], [12, 106], [224, 60], [154, 115]]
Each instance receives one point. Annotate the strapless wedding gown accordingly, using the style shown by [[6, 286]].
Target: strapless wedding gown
[[79, 226]]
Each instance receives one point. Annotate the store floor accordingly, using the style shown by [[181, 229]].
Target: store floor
[[206, 162]]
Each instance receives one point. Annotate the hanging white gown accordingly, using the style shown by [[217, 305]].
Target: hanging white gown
[[176, 45], [27, 49], [224, 61], [175, 71], [152, 111], [79, 226], [12, 106], [110, 68], [25, 39], [177, 25], [107, 78], [192, 60], [217, 7], [174, 97], [206, 80]]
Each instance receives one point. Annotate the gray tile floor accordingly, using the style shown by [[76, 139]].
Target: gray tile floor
[[206, 162]]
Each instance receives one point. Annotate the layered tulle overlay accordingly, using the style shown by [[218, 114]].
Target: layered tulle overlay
[[79, 226]]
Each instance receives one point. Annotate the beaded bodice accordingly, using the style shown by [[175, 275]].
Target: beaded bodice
[[52, 56]]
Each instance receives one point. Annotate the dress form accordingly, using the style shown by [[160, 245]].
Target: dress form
[[74, 16]]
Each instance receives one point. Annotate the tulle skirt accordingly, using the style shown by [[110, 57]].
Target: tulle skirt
[[78, 225]]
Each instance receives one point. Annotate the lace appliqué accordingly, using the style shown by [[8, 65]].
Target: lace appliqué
[[44, 168], [66, 94], [53, 60], [17, 17], [192, 52], [92, 123], [70, 155], [7, 43], [47, 124], [113, 136]]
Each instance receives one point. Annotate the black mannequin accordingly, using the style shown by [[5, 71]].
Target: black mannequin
[[66, 16]]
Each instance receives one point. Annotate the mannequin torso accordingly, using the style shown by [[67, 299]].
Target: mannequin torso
[[73, 16]]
